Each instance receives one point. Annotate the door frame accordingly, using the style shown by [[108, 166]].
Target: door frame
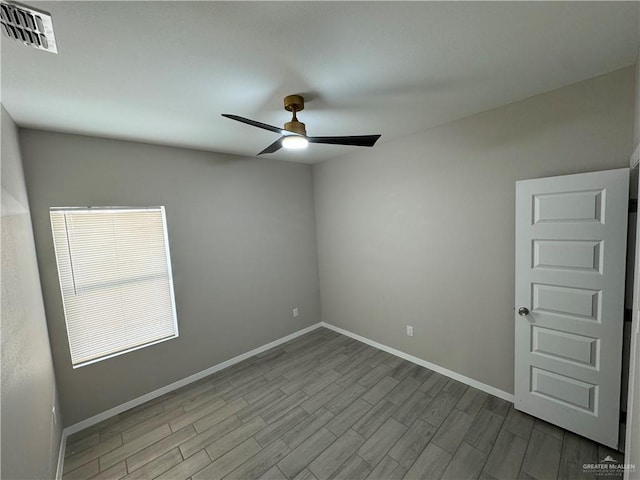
[[632, 444]]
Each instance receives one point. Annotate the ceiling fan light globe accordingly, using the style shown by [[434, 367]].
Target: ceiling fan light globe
[[294, 142]]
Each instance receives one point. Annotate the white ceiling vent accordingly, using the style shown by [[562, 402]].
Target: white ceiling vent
[[30, 27]]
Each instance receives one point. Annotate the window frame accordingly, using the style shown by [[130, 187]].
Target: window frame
[[169, 274]]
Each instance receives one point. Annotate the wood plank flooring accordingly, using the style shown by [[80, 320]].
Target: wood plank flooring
[[321, 407]]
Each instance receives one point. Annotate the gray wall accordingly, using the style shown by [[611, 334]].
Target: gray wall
[[243, 247], [30, 437], [420, 230]]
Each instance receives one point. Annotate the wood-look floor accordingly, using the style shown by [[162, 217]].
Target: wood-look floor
[[325, 406]]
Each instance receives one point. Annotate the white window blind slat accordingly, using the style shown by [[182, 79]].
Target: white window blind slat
[[115, 278]]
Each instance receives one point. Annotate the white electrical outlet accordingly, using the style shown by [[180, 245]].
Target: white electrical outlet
[[296, 313], [409, 330]]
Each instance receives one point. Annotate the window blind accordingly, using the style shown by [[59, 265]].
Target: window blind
[[115, 276]]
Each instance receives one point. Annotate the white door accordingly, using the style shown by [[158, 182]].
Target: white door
[[571, 234]]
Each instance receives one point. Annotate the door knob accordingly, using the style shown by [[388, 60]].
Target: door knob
[[523, 311]]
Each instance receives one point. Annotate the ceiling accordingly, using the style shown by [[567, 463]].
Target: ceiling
[[163, 72]]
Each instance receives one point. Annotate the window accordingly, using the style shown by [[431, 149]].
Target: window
[[115, 277]]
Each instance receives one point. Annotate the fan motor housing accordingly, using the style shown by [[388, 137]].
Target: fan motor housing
[[296, 127]]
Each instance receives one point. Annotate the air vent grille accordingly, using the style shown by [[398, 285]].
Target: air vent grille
[[28, 26]]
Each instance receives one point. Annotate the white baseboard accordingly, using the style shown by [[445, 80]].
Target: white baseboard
[[180, 383], [423, 363]]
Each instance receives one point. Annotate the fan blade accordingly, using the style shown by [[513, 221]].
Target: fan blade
[[253, 123], [274, 147], [358, 140]]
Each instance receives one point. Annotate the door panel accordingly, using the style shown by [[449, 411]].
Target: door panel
[[567, 254], [565, 346], [568, 206], [581, 303], [570, 266], [564, 390]]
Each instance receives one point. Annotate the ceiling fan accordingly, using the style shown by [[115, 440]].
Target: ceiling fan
[[294, 134]]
